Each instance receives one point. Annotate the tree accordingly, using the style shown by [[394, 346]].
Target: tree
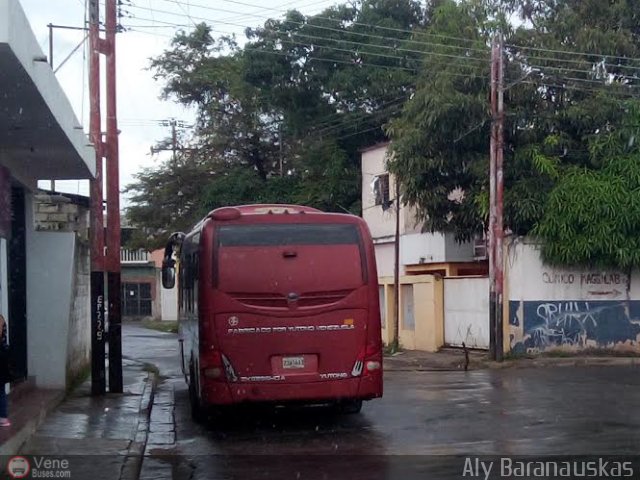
[[568, 117], [283, 117], [165, 199], [440, 142]]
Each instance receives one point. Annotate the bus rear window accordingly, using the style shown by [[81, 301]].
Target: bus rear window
[[283, 258], [286, 234]]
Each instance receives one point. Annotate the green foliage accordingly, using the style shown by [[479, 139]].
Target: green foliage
[[570, 155], [593, 217], [282, 118]]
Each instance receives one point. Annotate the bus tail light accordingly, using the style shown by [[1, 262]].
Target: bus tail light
[[213, 373], [373, 365], [369, 361], [218, 367]]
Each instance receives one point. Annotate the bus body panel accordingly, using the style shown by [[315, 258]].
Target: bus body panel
[[311, 346]]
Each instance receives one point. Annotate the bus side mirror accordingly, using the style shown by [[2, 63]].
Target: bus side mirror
[[168, 274]]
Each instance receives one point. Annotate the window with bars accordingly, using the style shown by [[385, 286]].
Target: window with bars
[[381, 190], [136, 299]]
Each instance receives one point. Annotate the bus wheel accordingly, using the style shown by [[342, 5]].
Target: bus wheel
[[197, 413], [350, 406]]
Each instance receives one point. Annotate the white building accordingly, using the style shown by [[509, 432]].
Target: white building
[[44, 254], [419, 252]]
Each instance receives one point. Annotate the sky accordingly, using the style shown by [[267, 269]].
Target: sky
[[150, 25]]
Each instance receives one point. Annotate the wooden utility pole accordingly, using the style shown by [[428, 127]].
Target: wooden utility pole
[[496, 199], [98, 378]]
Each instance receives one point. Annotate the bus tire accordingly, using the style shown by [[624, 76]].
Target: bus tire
[[350, 406], [197, 413]]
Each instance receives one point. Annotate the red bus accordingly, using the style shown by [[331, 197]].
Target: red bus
[[277, 304]]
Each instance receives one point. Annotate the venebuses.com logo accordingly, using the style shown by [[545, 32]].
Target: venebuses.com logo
[[38, 467], [18, 467]]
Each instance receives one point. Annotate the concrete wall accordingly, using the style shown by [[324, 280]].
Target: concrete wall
[[425, 331], [415, 247], [50, 269], [79, 341], [382, 222], [569, 309], [385, 259], [455, 251], [58, 293]]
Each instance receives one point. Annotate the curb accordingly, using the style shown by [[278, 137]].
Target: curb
[[135, 453], [541, 362], [13, 445]]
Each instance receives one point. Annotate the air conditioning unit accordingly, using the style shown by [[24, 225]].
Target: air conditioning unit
[[480, 250]]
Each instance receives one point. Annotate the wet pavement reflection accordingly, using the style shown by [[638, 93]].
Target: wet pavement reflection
[[552, 411]]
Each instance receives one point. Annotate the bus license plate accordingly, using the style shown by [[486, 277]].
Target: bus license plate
[[293, 362]]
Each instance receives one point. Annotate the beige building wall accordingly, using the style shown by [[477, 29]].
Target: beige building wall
[[382, 222], [426, 332]]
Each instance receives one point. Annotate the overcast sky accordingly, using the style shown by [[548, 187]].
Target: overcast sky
[[151, 24]]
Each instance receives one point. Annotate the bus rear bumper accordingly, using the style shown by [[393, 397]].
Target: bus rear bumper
[[221, 393]]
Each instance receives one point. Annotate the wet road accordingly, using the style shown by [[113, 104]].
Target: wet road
[[554, 411]]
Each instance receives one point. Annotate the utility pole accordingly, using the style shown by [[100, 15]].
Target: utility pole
[[500, 204], [280, 148], [53, 182], [396, 272], [174, 124], [496, 199], [113, 206], [98, 379], [174, 139]]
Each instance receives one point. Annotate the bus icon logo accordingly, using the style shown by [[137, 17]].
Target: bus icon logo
[[18, 467], [233, 321]]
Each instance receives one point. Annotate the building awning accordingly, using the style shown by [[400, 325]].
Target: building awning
[[40, 136]]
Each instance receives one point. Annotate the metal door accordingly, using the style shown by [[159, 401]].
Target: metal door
[[466, 312]]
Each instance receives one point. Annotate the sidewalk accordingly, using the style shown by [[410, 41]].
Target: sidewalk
[[452, 359], [103, 437]]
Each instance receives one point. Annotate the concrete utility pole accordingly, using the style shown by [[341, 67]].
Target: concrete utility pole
[[99, 261], [496, 201], [98, 379], [174, 124], [396, 272], [113, 206]]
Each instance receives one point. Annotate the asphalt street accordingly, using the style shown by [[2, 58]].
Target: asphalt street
[[422, 417]]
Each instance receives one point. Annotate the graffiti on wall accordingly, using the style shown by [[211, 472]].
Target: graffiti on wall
[[539, 325]]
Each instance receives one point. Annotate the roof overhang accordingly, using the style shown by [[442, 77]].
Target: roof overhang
[[40, 136]]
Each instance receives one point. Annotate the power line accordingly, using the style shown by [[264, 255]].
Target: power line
[[536, 58], [298, 7], [575, 70], [347, 32], [392, 29], [609, 91], [387, 47], [567, 52]]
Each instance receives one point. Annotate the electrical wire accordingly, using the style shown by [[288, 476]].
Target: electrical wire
[[348, 32], [329, 60], [381, 27], [568, 52]]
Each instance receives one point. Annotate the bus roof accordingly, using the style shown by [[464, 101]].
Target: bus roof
[[259, 209]]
